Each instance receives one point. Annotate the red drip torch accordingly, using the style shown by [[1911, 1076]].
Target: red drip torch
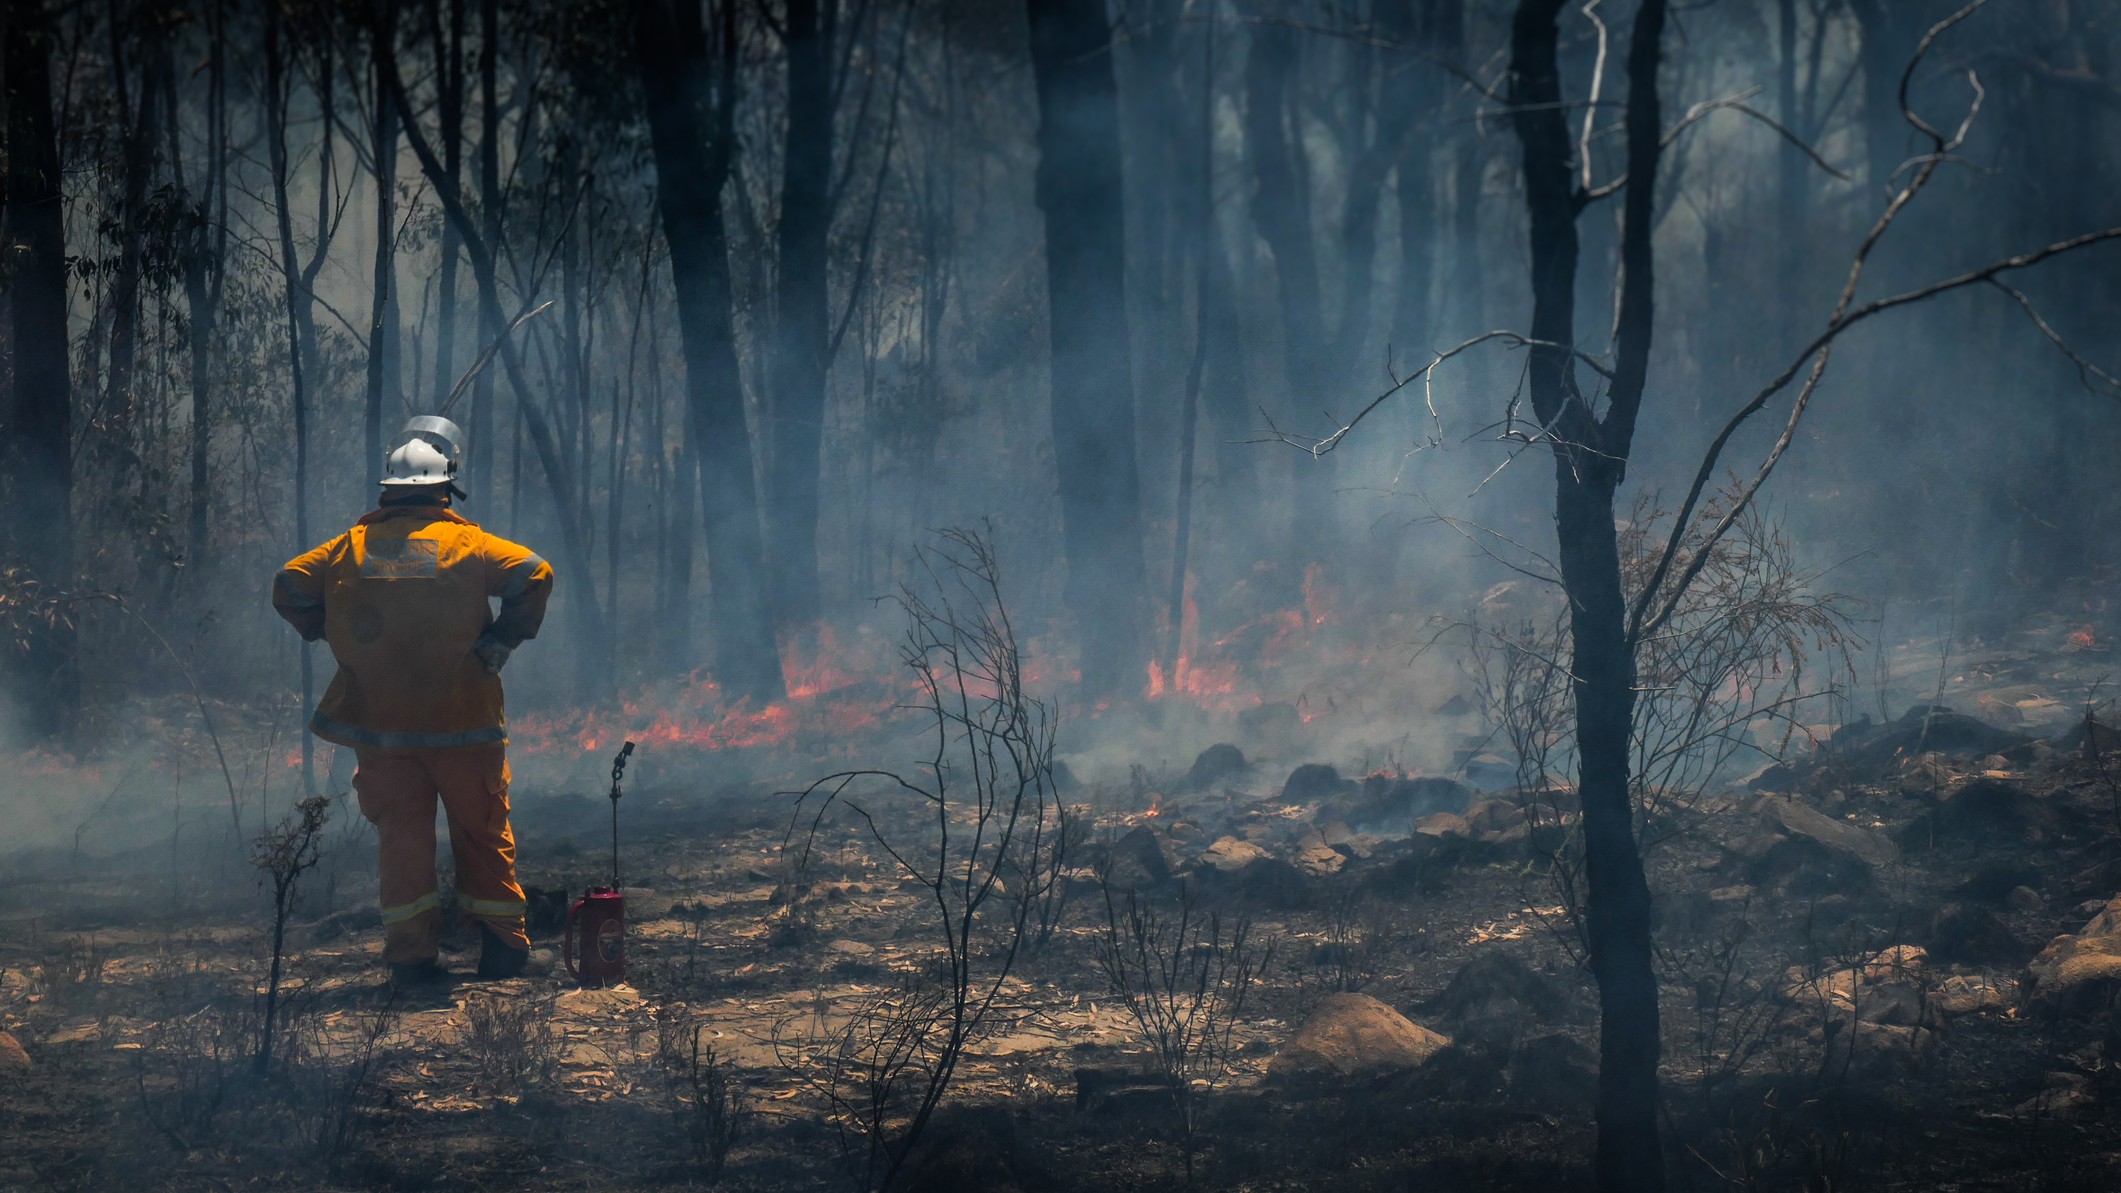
[[601, 960]]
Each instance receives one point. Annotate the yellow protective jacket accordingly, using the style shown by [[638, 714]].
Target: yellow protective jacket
[[401, 598]]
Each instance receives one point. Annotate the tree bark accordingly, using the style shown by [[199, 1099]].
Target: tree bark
[[204, 274], [449, 86], [693, 163], [37, 450], [1590, 461], [383, 301], [801, 325], [1078, 189]]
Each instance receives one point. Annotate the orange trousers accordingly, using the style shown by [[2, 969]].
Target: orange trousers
[[397, 790]]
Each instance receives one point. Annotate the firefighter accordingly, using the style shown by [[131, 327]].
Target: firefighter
[[401, 599]]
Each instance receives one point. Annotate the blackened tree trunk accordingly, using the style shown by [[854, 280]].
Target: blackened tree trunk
[[1078, 190], [801, 325], [136, 89], [1413, 92], [383, 301], [1590, 461], [449, 89], [205, 251], [484, 459], [1281, 211], [693, 160], [37, 449], [301, 334]]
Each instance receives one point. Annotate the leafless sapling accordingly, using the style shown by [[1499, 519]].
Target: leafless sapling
[[983, 845], [284, 852], [1183, 974]]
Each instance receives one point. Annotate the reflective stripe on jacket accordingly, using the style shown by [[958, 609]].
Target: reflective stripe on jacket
[[401, 598]]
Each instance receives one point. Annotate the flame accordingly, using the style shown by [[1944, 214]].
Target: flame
[[2086, 638], [1156, 807], [827, 700]]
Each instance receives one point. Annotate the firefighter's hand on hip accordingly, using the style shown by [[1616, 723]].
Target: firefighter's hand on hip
[[492, 652]]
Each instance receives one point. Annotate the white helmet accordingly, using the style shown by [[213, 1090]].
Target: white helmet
[[424, 453]]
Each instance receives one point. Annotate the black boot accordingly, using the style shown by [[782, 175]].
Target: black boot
[[419, 976], [497, 958]]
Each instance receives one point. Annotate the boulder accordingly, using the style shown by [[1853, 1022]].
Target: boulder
[[1994, 881], [1212, 766], [1392, 805], [1496, 997], [13, 1060], [1354, 1037], [1312, 782], [1966, 994], [1839, 836], [1138, 861], [1985, 808], [1320, 860], [1272, 882], [1864, 989], [1443, 824], [1230, 855], [1965, 934], [2080, 971]]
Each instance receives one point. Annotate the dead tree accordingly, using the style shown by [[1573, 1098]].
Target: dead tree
[[691, 121], [1590, 451], [1079, 192]]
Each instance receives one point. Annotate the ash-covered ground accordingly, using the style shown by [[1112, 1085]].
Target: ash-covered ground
[[1889, 963]]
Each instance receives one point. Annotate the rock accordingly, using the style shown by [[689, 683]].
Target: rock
[[13, 1060], [1390, 804], [851, 948], [2079, 972], [1443, 824], [1229, 855], [1312, 782], [1496, 997], [1775, 776], [1985, 808], [1860, 989], [1962, 934], [1272, 882], [2025, 900], [1137, 861], [1839, 836], [1212, 766], [1967, 994], [1995, 881], [1320, 860], [1355, 1037], [1884, 752]]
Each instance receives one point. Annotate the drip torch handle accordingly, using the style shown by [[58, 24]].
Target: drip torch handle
[[618, 772]]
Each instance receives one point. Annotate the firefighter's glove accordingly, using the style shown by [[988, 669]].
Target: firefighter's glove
[[492, 652]]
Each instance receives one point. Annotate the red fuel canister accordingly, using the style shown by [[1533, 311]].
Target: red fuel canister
[[599, 920]]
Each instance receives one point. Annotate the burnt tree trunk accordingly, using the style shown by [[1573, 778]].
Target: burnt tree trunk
[[693, 160], [1078, 190], [37, 449], [1281, 211], [383, 301], [449, 89], [801, 325], [204, 254], [1590, 461]]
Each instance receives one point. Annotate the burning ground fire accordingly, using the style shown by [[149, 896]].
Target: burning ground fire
[[838, 694], [1213, 676]]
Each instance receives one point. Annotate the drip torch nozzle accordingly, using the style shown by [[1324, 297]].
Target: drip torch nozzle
[[618, 772]]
